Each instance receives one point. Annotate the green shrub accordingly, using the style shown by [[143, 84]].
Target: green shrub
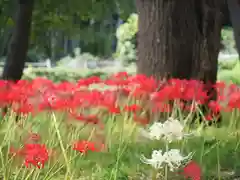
[[225, 75], [228, 40], [231, 75], [229, 71], [126, 34], [227, 64], [79, 58], [60, 74]]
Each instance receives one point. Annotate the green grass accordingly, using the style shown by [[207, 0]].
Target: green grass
[[215, 149], [230, 74]]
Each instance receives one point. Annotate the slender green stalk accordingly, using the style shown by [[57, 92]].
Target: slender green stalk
[[218, 163], [61, 144], [202, 151], [154, 174], [110, 127], [166, 167], [232, 120], [120, 146]]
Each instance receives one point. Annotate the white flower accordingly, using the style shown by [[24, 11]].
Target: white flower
[[156, 161], [170, 130], [173, 130], [156, 131], [172, 158]]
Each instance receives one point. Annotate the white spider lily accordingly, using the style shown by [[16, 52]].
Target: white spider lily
[[173, 130], [156, 131], [170, 130], [173, 159], [156, 161]]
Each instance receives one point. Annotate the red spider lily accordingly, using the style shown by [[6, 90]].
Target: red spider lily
[[220, 87], [190, 108], [125, 91], [24, 108], [85, 146], [161, 107], [33, 154], [145, 84], [116, 82], [32, 137], [234, 100], [88, 81], [132, 108], [215, 107], [121, 75], [92, 119], [109, 101], [42, 94], [192, 170], [41, 84], [138, 93], [209, 117], [141, 120], [113, 109], [65, 87]]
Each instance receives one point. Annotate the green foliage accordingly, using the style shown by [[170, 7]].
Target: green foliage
[[228, 40], [61, 74], [32, 56], [54, 22], [229, 71], [63, 19], [126, 49], [227, 64], [78, 58], [230, 74]]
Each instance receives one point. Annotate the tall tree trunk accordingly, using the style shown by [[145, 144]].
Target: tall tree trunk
[[179, 39], [234, 10], [18, 47]]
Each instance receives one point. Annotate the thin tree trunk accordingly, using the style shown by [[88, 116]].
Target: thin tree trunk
[[18, 47], [47, 44]]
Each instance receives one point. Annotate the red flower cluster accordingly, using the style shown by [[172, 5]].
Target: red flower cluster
[[33, 154], [37, 154], [151, 95], [192, 170], [85, 146]]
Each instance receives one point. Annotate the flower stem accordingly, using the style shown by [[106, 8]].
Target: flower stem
[[61, 143], [154, 174], [218, 163], [166, 167]]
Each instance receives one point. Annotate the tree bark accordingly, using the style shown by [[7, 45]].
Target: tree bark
[[234, 10], [179, 39], [17, 51]]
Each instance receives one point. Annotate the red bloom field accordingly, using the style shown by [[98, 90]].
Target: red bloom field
[[92, 129]]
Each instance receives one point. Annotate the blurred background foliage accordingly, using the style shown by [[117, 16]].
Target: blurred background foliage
[[76, 32]]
